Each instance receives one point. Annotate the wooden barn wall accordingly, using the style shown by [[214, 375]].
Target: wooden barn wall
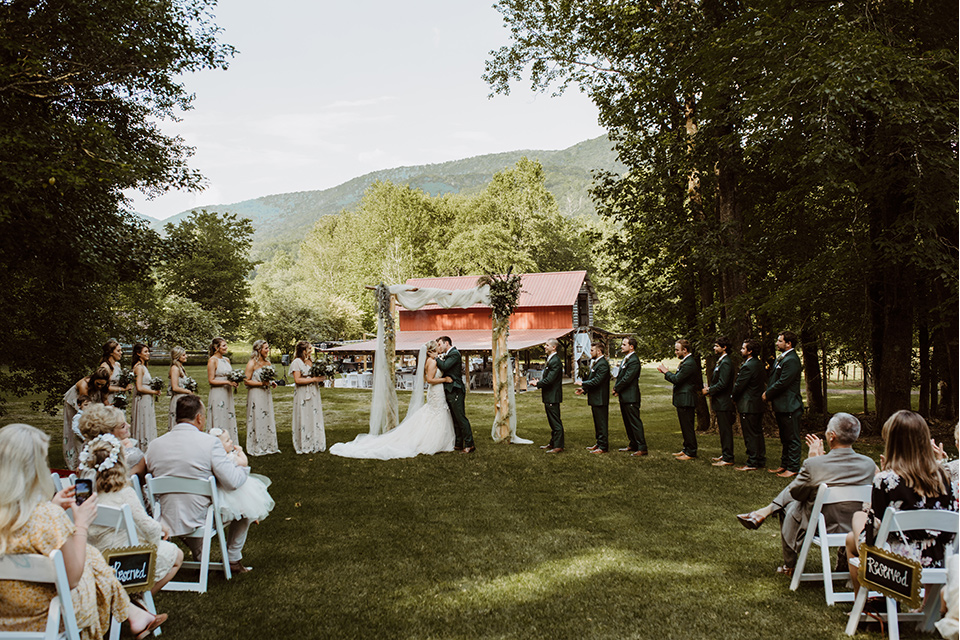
[[479, 319]]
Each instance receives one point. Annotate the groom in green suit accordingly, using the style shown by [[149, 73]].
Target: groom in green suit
[[596, 384], [551, 388], [783, 393], [451, 365], [686, 385]]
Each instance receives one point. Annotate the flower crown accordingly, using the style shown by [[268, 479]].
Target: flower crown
[[86, 456]]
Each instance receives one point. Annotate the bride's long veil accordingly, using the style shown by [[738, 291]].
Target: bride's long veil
[[416, 400]]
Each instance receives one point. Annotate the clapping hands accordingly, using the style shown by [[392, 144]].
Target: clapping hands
[[815, 444]]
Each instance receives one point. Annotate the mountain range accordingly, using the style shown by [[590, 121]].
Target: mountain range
[[280, 220]]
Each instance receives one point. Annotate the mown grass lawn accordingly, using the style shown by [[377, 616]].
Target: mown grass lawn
[[508, 542]]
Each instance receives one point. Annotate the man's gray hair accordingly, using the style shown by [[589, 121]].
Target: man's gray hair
[[553, 342], [845, 426]]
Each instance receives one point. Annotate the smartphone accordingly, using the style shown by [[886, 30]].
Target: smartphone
[[84, 490]]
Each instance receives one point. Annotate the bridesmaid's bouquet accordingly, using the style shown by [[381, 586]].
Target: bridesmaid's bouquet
[[236, 375], [126, 378], [156, 384], [267, 375], [120, 401], [189, 384], [323, 368]]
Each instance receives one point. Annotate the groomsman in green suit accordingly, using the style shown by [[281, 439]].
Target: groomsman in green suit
[[551, 388], [596, 384], [627, 390], [748, 394], [721, 385], [783, 393], [686, 383]]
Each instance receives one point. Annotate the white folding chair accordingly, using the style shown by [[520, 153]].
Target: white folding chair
[[213, 525], [817, 535], [57, 482], [137, 489], [45, 569], [122, 518], [931, 579]]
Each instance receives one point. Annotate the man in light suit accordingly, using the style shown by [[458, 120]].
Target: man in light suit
[[187, 452], [551, 389], [783, 393], [686, 382], [842, 466], [721, 386], [596, 384], [627, 390], [451, 366]]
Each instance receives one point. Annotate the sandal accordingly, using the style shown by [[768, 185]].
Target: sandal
[[158, 620]]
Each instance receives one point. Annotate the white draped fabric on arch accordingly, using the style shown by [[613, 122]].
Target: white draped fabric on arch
[[384, 405]]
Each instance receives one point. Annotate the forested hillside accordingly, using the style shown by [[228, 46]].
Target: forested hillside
[[280, 220]]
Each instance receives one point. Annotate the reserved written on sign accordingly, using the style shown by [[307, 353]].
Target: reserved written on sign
[[897, 575], [125, 575]]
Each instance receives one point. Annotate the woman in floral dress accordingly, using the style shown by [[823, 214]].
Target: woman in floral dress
[[308, 434], [220, 408], [143, 413], [261, 425]]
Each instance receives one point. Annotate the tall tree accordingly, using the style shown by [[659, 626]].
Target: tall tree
[[210, 264], [82, 87]]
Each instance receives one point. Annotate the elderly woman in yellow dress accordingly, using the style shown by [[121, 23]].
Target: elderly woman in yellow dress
[[31, 523]]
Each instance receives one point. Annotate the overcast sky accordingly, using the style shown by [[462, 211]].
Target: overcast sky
[[323, 92]]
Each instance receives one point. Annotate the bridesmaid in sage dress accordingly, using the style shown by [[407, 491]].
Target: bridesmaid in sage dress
[[110, 362], [308, 434], [178, 358], [94, 387], [220, 407], [143, 416], [261, 425]]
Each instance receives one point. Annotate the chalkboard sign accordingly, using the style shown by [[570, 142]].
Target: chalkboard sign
[[891, 574], [134, 566]]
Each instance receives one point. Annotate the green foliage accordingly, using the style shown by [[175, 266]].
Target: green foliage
[[185, 323], [792, 164], [82, 87], [399, 233], [209, 264]]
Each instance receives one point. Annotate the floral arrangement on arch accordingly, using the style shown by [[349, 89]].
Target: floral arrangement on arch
[[504, 293]]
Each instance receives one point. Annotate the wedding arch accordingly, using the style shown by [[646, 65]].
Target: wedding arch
[[500, 293]]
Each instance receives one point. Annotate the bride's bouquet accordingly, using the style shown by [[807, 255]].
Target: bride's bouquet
[[156, 384], [120, 401], [267, 375], [189, 384], [236, 375]]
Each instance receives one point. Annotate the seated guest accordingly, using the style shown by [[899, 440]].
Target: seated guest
[[911, 479], [99, 419], [102, 460], [186, 451], [31, 523], [842, 466]]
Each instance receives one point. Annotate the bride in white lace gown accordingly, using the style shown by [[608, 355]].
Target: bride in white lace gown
[[427, 429]]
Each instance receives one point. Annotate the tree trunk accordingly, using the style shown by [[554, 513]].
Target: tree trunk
[[501, 391], [810, 348], [923, 331]]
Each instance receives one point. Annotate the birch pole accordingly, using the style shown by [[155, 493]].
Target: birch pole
[[504, 294]]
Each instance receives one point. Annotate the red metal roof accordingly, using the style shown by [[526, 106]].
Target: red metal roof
[[469, 340], [559, 288]]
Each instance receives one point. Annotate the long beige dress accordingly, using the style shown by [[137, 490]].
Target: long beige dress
[[308, 433], [71, 444], [98, 596], [114, 379], [174, 399], [143, 415], [220, 409], [261, 425]]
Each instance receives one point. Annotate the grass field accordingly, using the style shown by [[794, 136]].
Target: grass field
[[508, 542]]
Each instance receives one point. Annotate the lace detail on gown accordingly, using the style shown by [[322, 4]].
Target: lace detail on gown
[[428, 431]]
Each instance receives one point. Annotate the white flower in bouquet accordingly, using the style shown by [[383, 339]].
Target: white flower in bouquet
[[120, 401], [267, 374], [189, 384], [156, 384], [126, 378], [236, 375]]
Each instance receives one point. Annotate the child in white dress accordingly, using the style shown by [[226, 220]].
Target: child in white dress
[[249, 500]]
